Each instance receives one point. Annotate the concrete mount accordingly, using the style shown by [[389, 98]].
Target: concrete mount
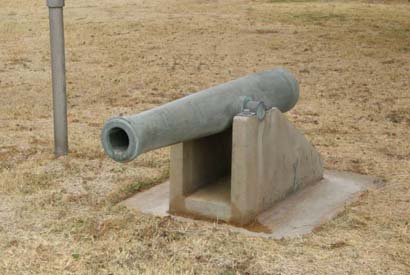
[[235, 175]]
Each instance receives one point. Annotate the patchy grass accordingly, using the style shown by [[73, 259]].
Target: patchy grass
[[292, 1], [364, 25], [60, 215], [128, 187]]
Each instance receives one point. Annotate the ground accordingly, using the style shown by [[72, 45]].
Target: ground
[[61, 215]]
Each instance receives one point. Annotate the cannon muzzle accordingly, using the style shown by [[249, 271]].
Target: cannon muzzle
[[198, 115]]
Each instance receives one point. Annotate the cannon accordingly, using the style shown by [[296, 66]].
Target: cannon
[[234, 154], [235, 157], [201, 114]]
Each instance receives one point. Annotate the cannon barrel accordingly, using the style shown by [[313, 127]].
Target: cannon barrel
[[198, 115]]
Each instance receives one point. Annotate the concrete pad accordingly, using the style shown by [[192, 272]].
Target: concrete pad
[[296, 215]]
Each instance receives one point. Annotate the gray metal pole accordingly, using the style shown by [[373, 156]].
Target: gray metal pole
[[58, 76]]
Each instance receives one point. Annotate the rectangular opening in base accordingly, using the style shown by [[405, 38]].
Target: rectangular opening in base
[[208, 192]]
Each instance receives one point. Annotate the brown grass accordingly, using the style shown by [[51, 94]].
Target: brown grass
[[59, 215]]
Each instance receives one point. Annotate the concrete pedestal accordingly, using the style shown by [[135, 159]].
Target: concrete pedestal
[[236, 175], [261, 175]]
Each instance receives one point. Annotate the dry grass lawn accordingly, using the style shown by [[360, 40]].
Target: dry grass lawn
[[59, 216]]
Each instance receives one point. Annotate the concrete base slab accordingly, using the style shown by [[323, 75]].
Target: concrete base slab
[[296, 215]]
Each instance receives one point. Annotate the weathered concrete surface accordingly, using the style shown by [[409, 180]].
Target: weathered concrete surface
[[267, 160], [302, 211], [296, 215], [153, 201], [270, 159], [212, 202]]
